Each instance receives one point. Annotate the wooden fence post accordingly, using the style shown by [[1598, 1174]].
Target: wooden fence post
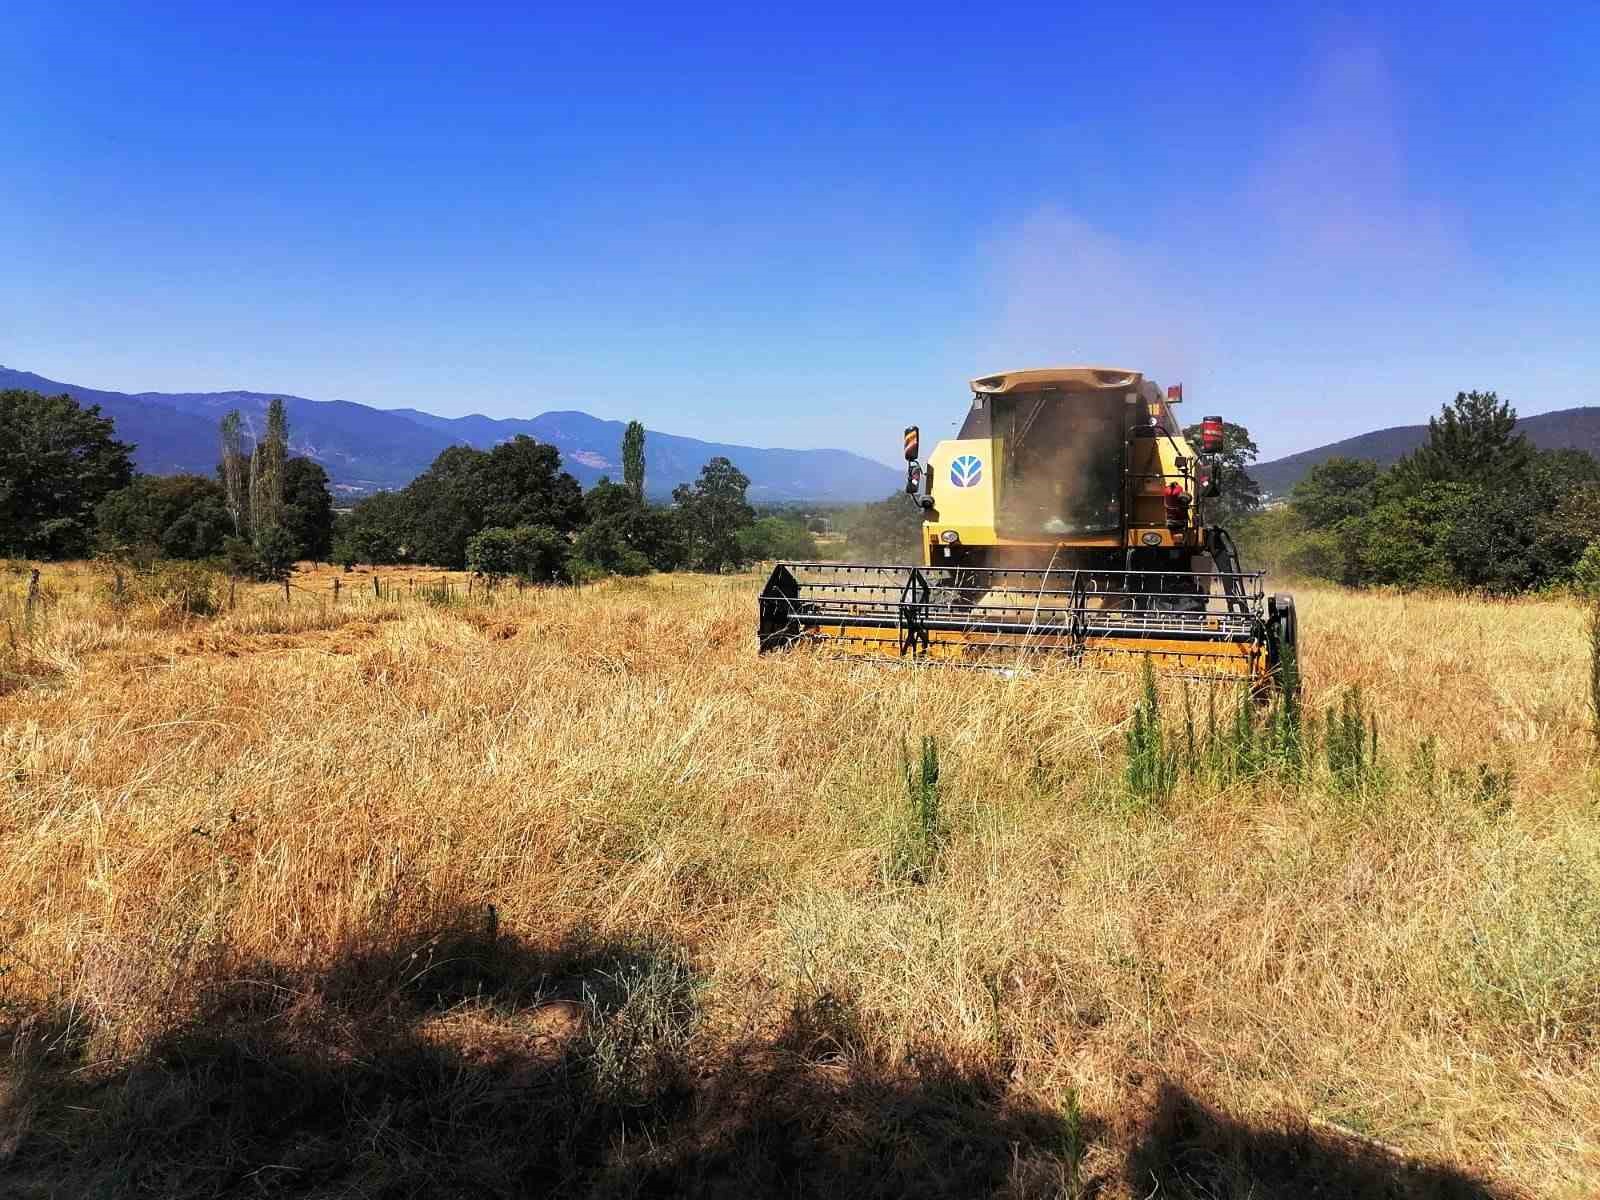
[[375, 590], [33, 598], [286, 589], [336, 589]]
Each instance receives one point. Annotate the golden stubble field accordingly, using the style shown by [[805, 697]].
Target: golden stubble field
[[568, 891]]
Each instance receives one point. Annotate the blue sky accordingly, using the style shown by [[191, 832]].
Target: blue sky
[[806, 227]]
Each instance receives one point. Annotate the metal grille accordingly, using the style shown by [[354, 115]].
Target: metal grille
[[910, 610]]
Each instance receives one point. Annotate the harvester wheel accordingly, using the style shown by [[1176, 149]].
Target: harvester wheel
[[1283, 636]]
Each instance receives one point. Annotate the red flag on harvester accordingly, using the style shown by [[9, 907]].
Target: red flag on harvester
[[1175, 392]]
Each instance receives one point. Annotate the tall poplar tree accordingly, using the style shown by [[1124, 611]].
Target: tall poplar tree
[[633, 459]]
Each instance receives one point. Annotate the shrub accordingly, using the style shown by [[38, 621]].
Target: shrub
[[603, 548], [1275, 741], [1585, 574], [276, 550], [176, 588], [535, 553]]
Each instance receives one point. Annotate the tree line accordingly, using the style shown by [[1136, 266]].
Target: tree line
[[1476, 507], [68, 489], [513, 512]]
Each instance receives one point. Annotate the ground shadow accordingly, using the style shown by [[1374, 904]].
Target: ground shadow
[[470, 1063], [1187, 1150]]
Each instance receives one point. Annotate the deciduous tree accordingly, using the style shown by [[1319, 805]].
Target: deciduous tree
[[712, 511], [1334, 490], [1241, 494], [308, 508], [170, 516], [58, 460], [633, 460]]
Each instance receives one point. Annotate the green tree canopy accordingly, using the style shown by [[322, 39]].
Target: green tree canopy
[[1334, 490], [1476, 507], [58, 460], [889, 530], [1406, 541], [633, 460], [626, 536], [442, 508], [523, 484], [165, 516], [1473, 441], [271, 556], [536, 553], [374, 531], [711, 512], [518, 483], [777, 537], [1241, 494], [308, 509]]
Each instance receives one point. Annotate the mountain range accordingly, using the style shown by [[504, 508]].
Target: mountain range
[[368, 449], [1575, 428]]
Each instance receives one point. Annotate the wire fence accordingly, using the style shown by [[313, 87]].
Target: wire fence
[[439, 590]]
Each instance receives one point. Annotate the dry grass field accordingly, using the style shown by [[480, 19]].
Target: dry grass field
[[567, 892]]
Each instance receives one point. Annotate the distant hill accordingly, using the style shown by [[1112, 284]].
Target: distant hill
[[367, 449], [1575, 428], [591, 448]]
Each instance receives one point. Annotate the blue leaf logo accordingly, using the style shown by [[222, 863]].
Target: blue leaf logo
[[966, 471]]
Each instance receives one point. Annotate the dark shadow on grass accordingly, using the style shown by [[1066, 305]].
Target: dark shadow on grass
[[1189, 1151], [472, 1064], [467, 1064]]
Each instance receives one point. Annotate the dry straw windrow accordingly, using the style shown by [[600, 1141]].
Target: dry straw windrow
[[205, 808]]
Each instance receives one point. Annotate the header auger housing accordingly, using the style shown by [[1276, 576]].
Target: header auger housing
[[1067, 519]]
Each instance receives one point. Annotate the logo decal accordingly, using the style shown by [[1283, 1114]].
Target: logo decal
[[966, 471]]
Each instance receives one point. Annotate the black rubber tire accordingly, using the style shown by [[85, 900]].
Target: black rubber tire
[[1284, 634], [1287, 624]]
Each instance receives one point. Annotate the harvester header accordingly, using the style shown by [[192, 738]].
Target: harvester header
[[1068, 517]]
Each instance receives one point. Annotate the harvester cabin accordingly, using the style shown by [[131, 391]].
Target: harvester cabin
[[1073, 464]]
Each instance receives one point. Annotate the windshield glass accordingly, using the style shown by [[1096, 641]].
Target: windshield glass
[[1062, 472]]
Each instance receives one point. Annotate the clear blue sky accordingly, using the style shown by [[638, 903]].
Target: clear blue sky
[[809, 227]]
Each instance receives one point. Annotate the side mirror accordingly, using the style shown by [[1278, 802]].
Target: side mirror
[[913, 478], [913, 444], [1208, 479]]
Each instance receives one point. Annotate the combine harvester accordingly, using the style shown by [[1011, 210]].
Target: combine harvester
[[1068, 519]]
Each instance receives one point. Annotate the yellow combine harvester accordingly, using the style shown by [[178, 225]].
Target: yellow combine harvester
[[1068, 518]]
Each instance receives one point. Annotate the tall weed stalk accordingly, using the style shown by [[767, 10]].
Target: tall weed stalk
[[1152, 771], [1353, 765], [920, 832]]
